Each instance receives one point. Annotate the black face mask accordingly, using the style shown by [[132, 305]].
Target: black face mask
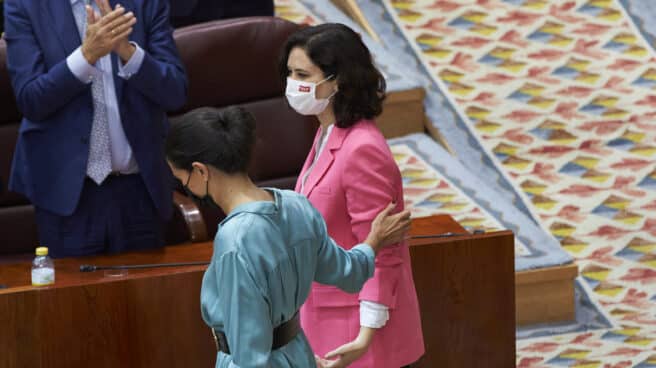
[[204, 201]]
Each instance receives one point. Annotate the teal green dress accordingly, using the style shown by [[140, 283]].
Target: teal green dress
[[266, 256]]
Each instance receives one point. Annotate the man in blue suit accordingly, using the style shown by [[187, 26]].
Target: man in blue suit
[[94, 82]]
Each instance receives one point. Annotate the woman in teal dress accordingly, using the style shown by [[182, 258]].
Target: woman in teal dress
[[268, 250]]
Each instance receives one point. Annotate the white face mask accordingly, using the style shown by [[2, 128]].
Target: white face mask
[[301, 97]]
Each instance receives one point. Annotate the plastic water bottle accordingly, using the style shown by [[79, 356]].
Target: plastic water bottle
[[43, 269]]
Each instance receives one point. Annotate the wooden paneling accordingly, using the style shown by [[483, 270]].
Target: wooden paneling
[[545, 295], [465, 287], [403, 113], [151, 318], [147, 318]]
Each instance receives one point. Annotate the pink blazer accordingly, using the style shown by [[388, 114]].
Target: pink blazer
[[354, 178]]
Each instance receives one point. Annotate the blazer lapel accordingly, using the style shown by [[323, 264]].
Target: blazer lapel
[[326, 159], [308, 161], [63, 23]]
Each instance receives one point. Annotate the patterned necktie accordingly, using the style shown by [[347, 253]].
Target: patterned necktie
[[99, 165]]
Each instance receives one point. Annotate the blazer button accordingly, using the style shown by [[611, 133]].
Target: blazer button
[[84, 140]]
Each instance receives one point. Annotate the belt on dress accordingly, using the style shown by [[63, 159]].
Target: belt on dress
[[282, 335]]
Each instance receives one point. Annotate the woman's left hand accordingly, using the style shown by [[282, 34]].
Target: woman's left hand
[[321, 363], [352, 351]]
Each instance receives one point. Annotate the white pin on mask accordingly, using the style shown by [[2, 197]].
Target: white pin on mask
[[301, 97]]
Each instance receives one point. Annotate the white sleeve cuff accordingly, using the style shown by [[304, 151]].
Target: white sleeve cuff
[[80, 67], [133, 65], [373, 315]]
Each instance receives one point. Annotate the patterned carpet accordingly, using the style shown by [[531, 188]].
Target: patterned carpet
[[428, 193], [561, 97], [436, 183]]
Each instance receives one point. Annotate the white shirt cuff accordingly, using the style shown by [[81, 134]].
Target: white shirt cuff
[[80, 67], [133, 65], [372, 314]]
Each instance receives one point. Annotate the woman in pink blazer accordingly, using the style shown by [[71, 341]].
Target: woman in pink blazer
[[350, 176]]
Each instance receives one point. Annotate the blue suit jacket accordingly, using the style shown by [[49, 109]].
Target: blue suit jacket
[[49, 164]]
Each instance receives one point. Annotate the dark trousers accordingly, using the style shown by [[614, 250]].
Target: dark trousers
[[116, 216]]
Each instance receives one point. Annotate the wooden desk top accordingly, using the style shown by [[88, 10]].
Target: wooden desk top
[[67, 270], [17, 276], [438, 224]]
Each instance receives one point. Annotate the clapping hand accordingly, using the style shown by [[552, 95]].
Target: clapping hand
[[123, 48], [107, 32]]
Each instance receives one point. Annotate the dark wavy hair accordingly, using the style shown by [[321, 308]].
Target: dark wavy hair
[[223, 138], [338, 51]]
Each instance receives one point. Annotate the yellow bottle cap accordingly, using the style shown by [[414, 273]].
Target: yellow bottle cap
[[41, 251]]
